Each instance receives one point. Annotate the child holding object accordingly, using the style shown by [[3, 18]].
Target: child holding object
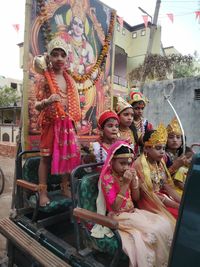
[[146, 236], [59, 106]]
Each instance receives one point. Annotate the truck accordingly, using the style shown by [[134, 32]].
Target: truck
[[59, 234]]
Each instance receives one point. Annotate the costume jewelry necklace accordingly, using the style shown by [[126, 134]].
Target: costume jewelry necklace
[[157, 174], [139, 125]]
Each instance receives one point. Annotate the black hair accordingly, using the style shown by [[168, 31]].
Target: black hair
[[138, 102], [134, 131], [103, 124], [188, 149], [123, 150], [147, 135], [57, 49], [180, 149]]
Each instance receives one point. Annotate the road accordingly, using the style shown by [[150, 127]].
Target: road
[[7, 165]]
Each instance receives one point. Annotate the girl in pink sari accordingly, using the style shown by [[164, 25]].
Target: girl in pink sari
[[146, 236]]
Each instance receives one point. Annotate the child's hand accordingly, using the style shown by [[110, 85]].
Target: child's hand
[[53, 98], [135, 181], [128, 176]]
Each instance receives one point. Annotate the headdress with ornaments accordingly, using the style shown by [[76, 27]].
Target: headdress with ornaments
[[121, 105], [126, 153], [57, 43], [159, 136], [79, 9], [136, 96], [174, 127], [107, 114]]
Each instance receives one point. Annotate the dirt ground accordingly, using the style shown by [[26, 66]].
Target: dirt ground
[[7, 165]]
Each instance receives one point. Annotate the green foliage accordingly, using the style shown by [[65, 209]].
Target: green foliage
[[8, 96], [157, 67]]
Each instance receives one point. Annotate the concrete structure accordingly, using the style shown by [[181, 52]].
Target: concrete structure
[[185, 99], [131, 44], [11, 83], [10, 116]]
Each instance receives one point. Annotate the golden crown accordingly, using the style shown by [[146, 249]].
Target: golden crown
[[121, 105], [174, 127], [158, 137], [79, 9]]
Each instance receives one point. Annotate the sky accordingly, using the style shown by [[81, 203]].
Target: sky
[[183, 33]]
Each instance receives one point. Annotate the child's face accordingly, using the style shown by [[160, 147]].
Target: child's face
[[58, 58], [111, 129], [188, 156], [174, 141], [155, 153], [138, 109], [120, 165], [126, 117]]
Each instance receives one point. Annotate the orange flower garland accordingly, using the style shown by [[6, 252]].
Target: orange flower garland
[[73, 104]]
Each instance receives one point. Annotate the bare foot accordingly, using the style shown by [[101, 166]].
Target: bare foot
[[44, 200], [66, 189]]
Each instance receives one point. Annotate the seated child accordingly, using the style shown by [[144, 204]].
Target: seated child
[[108, 124], [146, 236], [125, 113], [151, 168], [181, 174]]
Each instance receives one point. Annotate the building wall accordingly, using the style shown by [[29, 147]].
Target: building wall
[[184, 102], [8, 82], [8, 133], [135, 43]]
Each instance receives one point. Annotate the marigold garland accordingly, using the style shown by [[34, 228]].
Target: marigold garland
[[101, 59], [73, 105]]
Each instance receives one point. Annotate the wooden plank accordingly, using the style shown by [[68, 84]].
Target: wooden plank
[[29, 245]]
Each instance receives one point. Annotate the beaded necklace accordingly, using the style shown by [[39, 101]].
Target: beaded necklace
[[105, 147], [157, 175], [139, 126]]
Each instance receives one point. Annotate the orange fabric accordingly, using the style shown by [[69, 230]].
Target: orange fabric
[[46, 140]]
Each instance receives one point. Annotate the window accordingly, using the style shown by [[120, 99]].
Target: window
[[143, 32], [123, 31], [13, 85], [118, 27], [197, 94], [134, 35], [6, 137]]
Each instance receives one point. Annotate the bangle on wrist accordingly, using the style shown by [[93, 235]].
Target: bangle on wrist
[[121, 196], [172, 170]]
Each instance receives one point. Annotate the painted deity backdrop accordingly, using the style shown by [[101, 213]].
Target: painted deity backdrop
[[89, 58]]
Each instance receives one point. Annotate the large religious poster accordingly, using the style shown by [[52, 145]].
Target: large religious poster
[[87, 27]]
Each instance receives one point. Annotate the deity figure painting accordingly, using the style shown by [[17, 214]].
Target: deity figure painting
[[87, 28]]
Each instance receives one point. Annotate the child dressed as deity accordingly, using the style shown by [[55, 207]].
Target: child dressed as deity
[[125, 113], [140, 125], [174, 156], [146, 236], [108, 124], [151, 168], [181, 174], [59, 106]]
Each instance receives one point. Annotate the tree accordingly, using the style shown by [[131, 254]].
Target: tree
[[8, 96], [157, 67]]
